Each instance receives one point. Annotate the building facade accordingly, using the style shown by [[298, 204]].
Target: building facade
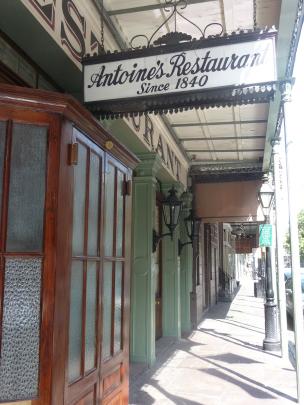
[[84, 288]]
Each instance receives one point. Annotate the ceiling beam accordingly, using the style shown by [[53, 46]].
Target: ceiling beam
[[149, 7], [205, 164], [222, 150], [194, 124], [222, 138]]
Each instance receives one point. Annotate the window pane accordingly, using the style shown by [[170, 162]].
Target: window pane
[[27, 189], [79, 201], [109, 210], [19, 366], [91, 314], [118, 308], [107, 310], [75, 325], [2, 147], [93, 220], [120, 214]]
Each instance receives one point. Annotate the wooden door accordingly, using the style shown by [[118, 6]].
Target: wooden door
[[84, 335], [97, 355], [27, 205], [158, 273], [114, 371]]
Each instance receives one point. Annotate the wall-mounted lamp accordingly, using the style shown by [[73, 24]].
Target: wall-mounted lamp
[[171, 209], [190, 224]]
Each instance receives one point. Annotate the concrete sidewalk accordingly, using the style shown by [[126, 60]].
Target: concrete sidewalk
[[222, 362]]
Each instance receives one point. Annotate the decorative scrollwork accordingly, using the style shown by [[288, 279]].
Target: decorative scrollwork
[[175, 37]]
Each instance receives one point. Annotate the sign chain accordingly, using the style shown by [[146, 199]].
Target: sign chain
[[101, 27], [255, 24]]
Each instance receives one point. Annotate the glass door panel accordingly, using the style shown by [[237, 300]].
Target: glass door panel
[[2, 148], [75, 326], [27, 189], [91, 316], [24, 148], [94, 205], [19, 366], [109, 210], [118, 306], [80, 174], [107, 310], [120, 213]]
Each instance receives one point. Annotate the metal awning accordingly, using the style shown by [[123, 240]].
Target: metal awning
[[216, 140]]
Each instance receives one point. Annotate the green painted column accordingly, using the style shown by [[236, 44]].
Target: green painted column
[[142, 345], [171, 279], [186, 266]]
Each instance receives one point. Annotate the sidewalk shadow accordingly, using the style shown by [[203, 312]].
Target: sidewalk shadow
[[242, 326], [143, 398], [167, 347], [251, 390], [229, 338]]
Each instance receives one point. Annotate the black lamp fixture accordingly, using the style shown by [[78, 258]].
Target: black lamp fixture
[[190, 224], [171, 209], [265, 196]]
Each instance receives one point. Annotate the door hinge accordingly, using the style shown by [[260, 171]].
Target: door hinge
[[73, 154], [127, 187]]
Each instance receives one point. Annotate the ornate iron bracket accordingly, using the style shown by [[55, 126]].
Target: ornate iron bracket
[[156, 238], [181, 245], [175, 37]]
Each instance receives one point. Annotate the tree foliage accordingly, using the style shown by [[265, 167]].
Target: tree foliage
[[301, 236]]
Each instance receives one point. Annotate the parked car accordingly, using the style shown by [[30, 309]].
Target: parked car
[[287, 272], [289, 293]]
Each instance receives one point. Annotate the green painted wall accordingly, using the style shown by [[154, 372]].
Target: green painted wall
[[142, 273], [171, 281]]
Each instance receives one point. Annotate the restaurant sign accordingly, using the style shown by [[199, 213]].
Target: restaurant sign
[[188, 74]]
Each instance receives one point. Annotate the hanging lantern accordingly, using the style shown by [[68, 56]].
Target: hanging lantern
[[171, 209]]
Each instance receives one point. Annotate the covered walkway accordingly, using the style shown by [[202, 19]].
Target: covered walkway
[[222, 362]]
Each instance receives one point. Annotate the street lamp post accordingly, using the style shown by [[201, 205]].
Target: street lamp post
[[271, 341]]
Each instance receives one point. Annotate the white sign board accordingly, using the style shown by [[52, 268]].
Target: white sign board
[[241, 63]]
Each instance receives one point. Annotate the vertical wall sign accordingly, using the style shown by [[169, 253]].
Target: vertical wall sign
[[237, 69]]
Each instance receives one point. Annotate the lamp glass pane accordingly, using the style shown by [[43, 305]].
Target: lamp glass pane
[[266, 198], [176, 213]]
